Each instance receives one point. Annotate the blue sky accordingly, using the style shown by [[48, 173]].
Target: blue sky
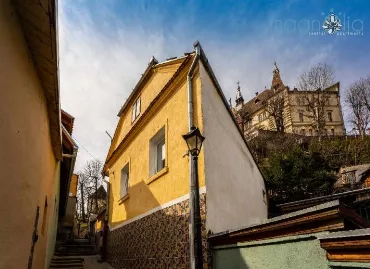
[[106, 45]]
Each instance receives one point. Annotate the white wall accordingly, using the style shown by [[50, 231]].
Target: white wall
[[234, 183]]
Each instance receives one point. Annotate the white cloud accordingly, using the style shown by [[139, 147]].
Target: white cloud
[[97, 73], [100, 64]]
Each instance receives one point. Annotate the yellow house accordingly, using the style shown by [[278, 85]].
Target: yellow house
[[148, 167], [34, 179]]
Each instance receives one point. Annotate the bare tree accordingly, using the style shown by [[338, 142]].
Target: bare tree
[[83, 191], [366, 92], [357, 101], [92, 171], [275, 108], [313, 84], [89, 180], [320, 76]]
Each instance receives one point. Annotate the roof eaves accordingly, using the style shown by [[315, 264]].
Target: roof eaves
[[170, 61], [152, 62], [69, 137], [282, 218], [321, 198]]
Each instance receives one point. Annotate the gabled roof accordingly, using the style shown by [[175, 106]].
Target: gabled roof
[[152, 62], [101, 193], [151, 66], [257, 102], [67, 121], [187, 57]]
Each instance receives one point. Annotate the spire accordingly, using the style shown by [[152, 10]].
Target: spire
[[239, 98], [277, 83]]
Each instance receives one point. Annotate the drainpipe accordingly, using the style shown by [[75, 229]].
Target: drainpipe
[[190, 86], [73, 157], [106, 220], [190, 120]]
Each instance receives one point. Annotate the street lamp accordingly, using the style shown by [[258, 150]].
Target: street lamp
[[194, 140]]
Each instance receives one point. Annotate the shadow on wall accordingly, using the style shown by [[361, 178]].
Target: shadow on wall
[[229, 259], [159, 240]]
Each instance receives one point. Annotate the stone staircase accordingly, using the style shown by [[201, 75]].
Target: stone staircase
[[67, 263], [68, 254]]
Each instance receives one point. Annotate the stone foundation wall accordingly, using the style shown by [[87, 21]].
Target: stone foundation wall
[[159, 240]]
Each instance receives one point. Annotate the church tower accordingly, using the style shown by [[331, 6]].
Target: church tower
[[239, 101], [277, 83]]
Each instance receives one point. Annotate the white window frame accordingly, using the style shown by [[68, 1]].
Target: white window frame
[[156, 140], [136, 109], [124, 180]]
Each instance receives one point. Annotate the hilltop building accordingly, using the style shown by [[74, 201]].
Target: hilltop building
[[97, 200], [280, 108]]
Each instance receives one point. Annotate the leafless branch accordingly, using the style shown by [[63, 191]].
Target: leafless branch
[[315, 98], [357, 102]]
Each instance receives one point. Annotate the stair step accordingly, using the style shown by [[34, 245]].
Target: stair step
[[67, 260], [75, 254], [67, 266]]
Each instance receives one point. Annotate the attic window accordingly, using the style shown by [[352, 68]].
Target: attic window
[[136, 109], [256, 101]]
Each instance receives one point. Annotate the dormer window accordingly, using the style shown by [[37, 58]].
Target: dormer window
[[136, 109]]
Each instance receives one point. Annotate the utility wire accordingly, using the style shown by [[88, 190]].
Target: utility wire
[[84, 147]]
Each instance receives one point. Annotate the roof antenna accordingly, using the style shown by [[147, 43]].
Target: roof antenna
[[109, 135]]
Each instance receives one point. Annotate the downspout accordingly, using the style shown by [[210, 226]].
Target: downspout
[[106, 224], [190, 121], [73, 157], [190, 86]]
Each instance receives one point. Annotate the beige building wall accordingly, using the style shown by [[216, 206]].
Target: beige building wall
[[27, 163], [260, 119], [334, 107], [235, 187]]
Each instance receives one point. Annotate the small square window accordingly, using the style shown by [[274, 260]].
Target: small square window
[[125, 176], [157, 152], [136, 109]]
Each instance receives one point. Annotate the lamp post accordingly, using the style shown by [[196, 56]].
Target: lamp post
[[194, 140]]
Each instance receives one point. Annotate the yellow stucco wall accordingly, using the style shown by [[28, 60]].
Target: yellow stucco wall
[[170, 111], [73, 185], [98, 225], [27, 163]]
